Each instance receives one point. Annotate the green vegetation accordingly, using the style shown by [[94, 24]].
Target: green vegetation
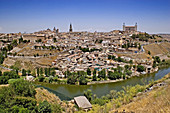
[[23, 72], [115, 98], [157, 62], [142, 37], [44, 107], [114, 75], [149, 52], [7, 75], [13, 98], [23, 41], [82, 80], [119, 59], [140, 68], [19, 97]]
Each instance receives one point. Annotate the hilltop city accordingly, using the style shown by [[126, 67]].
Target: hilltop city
[[78, 58], [81, 51]]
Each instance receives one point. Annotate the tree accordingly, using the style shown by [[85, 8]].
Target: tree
[[72, 79], [46, 71], [140, 68], [128, 72], [88, 94], [23, 88], [53, 73], [8, 75], [33, 73], [163, 60], [139, 47], [82, 80], [14, 43], [131, 61], [102, 73], [157, 59], [4, 79], [1, 58], [41, 71], [20, 40], [44, 107], [114, 75], [0, 73], [23, 72], [149, 52], [154, 64], [11, 74], [38, 72], [29, 72], [41, 78], [88, 71], [49, 72], [127, 67], [94, 77], [134, 66], [54, 39]]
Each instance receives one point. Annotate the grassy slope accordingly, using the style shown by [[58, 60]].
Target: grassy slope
[[155, 101], [156, 49], [43, 94]]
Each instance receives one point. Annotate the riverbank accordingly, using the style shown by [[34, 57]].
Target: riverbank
[[105, 81], [66, 90], [118, 80], [155, 100]]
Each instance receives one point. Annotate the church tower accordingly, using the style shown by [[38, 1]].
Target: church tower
[[136, 27], [54, 29], [123, 26], [71, 29]]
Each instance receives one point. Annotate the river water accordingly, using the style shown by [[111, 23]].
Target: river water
[[67, 92]]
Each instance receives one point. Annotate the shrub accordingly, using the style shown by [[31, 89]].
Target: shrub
[[44, 107], [140, 68], [98, 101], [88, 94], [23, 88], [41, 78]]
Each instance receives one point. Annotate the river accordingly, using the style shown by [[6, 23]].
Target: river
[[67, 92]]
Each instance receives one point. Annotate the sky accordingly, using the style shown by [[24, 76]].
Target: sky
[[152, 16]]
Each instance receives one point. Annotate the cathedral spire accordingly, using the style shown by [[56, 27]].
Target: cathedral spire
[[71, 29]]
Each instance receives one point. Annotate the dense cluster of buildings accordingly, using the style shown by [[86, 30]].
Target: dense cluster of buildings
[[82, 50]]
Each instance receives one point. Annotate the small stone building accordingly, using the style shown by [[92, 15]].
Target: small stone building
[[82, 103]]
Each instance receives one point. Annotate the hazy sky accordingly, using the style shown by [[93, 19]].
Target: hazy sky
[[152, 16]]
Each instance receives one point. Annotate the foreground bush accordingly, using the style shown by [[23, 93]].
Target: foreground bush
[[19, 96]]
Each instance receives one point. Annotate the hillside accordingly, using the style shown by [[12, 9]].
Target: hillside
[[157, 49], [155, 101], [43, 94]]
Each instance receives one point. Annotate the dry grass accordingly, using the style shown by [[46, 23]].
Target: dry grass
[[9, 62], [5, 85], [156, 49], [42, 94], [3, 70], [32, 52], [156, 101], [47, 61], [138, 56]]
